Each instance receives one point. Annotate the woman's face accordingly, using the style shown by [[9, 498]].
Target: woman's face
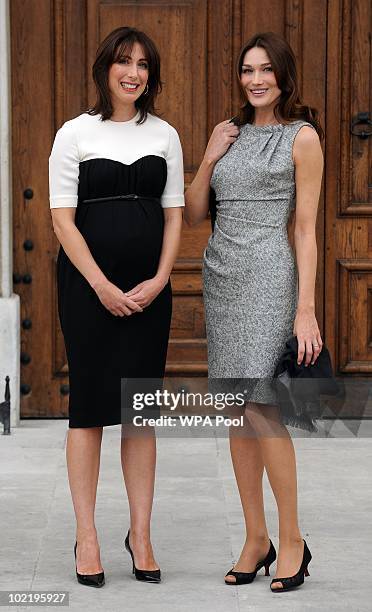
[[258, 78], [127, 77]]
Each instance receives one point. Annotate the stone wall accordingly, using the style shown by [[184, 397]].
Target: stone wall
[[9, 301]]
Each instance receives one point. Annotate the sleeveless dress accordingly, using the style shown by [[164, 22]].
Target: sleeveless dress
[[91, 163], [249, 270]]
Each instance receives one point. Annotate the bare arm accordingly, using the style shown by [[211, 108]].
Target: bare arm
[[197, 195], [171, 242], [308, 159], [74, 245], [144, 293], [78, 252]]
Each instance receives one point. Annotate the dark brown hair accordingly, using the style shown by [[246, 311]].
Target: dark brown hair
[[117, 44], [283, 62]]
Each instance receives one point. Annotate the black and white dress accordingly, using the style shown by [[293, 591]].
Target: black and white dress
[[99, 160]]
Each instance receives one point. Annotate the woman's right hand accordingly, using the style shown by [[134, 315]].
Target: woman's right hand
[[115, 300], [223, 135]]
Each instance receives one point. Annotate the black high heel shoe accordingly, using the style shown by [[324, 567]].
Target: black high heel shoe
[[143, 575], [294, 581], [247, 577], [94, 580]]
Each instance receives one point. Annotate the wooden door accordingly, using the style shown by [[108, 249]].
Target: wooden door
[[348, 294], [53, 46]]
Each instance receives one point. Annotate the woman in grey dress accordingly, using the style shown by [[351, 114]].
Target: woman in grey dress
[[263, 165]]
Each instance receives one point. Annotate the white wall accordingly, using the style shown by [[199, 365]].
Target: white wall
[[9, 301]]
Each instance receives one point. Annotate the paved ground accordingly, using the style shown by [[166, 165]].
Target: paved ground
[[197, 524]]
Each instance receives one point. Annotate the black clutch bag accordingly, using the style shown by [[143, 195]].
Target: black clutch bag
[[299, 387]]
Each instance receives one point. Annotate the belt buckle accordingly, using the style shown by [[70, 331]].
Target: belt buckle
[[130, 196]]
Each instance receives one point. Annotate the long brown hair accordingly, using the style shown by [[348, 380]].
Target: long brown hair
[[290, 106], [117, 44]]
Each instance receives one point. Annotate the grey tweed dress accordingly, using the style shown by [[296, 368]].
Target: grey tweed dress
[[249, 269]]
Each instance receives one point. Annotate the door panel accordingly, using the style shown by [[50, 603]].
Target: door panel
[[349, 188], [31, 88]]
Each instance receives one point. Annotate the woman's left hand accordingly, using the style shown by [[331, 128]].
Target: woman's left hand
[[144, 293], [308, 336]]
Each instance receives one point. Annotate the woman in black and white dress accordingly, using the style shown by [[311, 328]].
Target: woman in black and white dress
[[113, 268]]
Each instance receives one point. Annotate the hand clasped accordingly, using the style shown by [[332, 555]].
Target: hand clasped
[[144, 293]]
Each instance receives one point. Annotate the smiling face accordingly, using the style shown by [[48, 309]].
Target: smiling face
[[128, 76], [258, 79]]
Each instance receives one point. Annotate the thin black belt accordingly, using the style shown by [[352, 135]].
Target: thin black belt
[[129, 196]]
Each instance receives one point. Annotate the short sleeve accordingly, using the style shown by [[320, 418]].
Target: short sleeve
[[64, 168], [173, 194]]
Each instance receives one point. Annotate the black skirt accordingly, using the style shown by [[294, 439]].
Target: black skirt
[[125, 239]]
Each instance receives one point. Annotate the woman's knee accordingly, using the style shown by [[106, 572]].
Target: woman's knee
[[263, 418]]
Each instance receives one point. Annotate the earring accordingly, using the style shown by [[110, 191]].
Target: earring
[[146, 90]]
